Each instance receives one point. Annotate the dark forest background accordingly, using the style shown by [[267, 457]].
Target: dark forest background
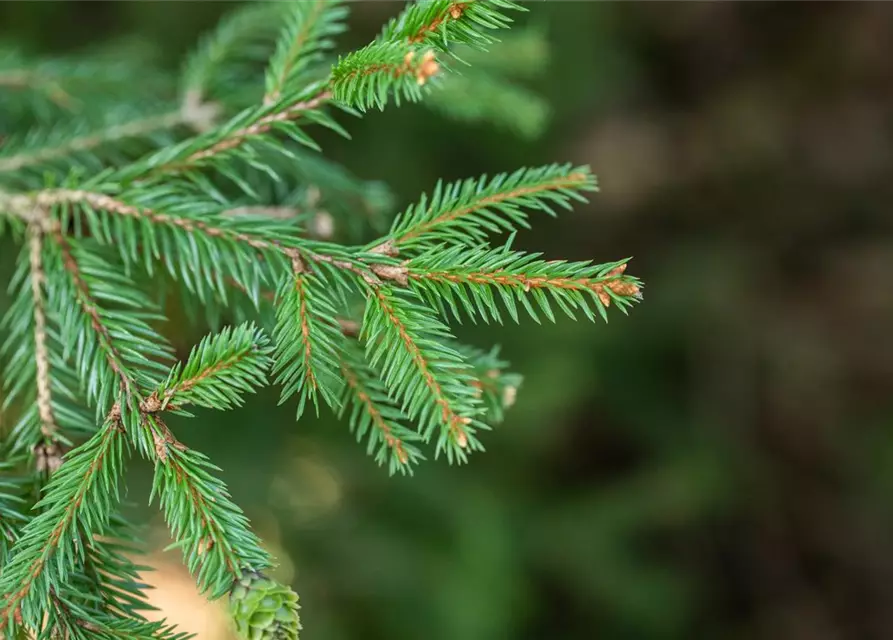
[[717, 465]]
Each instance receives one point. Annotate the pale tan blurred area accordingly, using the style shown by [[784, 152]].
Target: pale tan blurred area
[[175, 595], [174, 592]]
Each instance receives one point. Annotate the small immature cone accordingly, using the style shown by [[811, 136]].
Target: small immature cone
[[263, 609]]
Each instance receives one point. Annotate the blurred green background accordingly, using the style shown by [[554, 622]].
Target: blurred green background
[[716, 465]]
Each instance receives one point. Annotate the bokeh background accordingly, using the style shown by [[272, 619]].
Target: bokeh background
[[717, 465]]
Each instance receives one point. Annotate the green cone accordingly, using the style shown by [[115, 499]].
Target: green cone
[[263, 609]]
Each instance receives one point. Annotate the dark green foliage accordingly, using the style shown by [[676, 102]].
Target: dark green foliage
[[223, 197]]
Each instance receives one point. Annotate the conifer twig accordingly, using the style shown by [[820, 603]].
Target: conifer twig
[[88, 306], [29, 568], [491, 198], [448, 416], [392, 441], [294, 51], [240, 136]]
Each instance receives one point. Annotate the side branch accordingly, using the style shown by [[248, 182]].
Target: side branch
[[454, 11], [88, 306], [454, 422], [240, 136], [167, 398], [572, 181], [390, 439], [36, 209], [107, 203], [294, 52], [613, 281]]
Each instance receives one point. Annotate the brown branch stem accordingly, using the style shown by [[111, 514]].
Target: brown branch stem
[[615, 281], [48, 426]]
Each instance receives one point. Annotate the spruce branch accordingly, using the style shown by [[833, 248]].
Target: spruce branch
[[360, 79], [253, 124], [48, 426], [369, 77], [307, 342], [35, 374], [235, 208], [74, 621], [114, 348], [443, 23]]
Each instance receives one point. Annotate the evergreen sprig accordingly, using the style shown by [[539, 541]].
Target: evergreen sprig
[[375, 416], [429, 378], [467, 210], [217, 189], [221, 369], [473, 282]]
